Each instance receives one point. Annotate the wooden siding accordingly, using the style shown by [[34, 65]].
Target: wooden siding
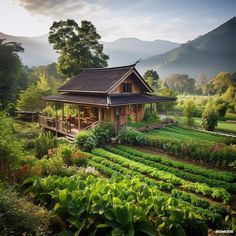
[[135, 88]]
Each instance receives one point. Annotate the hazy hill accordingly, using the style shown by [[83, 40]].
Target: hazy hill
[[208, 54], [128, 50], [37, 49], [122, 51]]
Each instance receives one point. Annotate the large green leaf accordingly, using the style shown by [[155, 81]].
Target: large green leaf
[[146, 228], [62, 195], [123, 214]]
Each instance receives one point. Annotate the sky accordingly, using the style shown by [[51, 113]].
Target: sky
[[173, 20]]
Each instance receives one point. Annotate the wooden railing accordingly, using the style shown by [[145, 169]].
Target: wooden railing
[[61, 126]]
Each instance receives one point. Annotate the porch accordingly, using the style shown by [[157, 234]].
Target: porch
[[69, 119]]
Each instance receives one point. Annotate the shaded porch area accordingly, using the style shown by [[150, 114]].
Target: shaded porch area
[[69, 119]]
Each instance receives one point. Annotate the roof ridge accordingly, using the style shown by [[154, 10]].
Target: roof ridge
[[111, 68]]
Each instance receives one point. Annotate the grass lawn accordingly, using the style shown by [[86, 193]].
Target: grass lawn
[[223, 126], [178, 133]]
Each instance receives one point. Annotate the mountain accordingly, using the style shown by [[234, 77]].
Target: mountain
[[122, 51], [208, 54], [37, 49], [128, 50]]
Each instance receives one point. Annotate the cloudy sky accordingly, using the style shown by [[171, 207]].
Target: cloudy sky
[[174, 20]]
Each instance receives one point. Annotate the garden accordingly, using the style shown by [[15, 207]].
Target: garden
[[165, 186]]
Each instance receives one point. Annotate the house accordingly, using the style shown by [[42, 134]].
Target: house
[[100, 94]]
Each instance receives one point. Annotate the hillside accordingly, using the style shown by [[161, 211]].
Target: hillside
[[128, 50], [208, 54], [122, 51], [37, 49]]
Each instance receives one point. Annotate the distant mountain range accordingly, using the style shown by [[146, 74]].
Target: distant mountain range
[[122, 51], [208, 54], [37, 49]]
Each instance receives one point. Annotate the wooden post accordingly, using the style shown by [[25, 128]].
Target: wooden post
[[78, 118], [56, 118], [151, 107], [62, 111], [99, 114]]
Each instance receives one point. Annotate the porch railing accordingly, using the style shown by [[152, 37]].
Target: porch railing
[[61, 126]]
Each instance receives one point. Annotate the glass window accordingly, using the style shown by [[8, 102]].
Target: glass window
[[127, 87]]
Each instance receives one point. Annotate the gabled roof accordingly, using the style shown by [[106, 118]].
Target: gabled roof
[[102, 80]]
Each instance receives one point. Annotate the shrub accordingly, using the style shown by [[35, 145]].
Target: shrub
[[20, 217], [209, 119], [50, 166], [65, 151], [80, 158], [150, 115], [189, 110], [103, 132], [44, 142], [130, 135], [86, 140]]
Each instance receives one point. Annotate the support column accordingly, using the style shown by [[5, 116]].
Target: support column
[[56, 118], [99, 114], [78, 117]]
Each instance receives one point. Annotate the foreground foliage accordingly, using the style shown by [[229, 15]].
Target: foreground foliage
[[117, 206]]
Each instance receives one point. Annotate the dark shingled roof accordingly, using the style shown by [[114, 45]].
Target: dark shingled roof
[[98, 80], [114, 100]]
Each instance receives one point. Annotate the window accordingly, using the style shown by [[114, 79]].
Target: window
[[127, 87]]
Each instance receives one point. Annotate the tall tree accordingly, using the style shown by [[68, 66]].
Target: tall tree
[[77, 46], [181, 83], [10, 68], [152, 78]]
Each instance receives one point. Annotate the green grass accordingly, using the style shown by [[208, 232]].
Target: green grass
[[223, 126], [184, 134]]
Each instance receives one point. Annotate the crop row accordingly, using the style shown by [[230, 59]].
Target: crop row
[[128, 208], [216, 193], [104, 164], [214, 154], [211, 174], [231, 187]]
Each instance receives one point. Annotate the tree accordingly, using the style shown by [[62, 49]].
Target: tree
[[152, 78], [10, 68], [77, 46], [31, 98], [209, 119], [189, 110], [222, 81], [202, 85], [181, 83]]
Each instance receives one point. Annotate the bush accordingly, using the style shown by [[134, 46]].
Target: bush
[[80, 158], [43, 143], [209, 119], [86, 140], [89, 139], [150, 116], [19, 217], [130, 135], [50, 166], [65, 151], [103, 132], [189, 110]]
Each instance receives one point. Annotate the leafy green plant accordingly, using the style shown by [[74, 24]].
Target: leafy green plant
[[128, 208], [209, 119], [43, 143], [86, 140]]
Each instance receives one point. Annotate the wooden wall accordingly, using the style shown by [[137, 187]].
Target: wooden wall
[[135, 88]]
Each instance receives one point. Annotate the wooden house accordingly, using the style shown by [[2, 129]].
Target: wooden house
[[100, 94]]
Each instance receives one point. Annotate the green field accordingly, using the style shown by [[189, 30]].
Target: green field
[[223, 126], [178, 133]]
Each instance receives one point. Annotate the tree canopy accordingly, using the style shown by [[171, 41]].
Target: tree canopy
[[77, 46], [10, 70]]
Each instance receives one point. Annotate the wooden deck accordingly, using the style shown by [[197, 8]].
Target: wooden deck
[[63, 127]]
